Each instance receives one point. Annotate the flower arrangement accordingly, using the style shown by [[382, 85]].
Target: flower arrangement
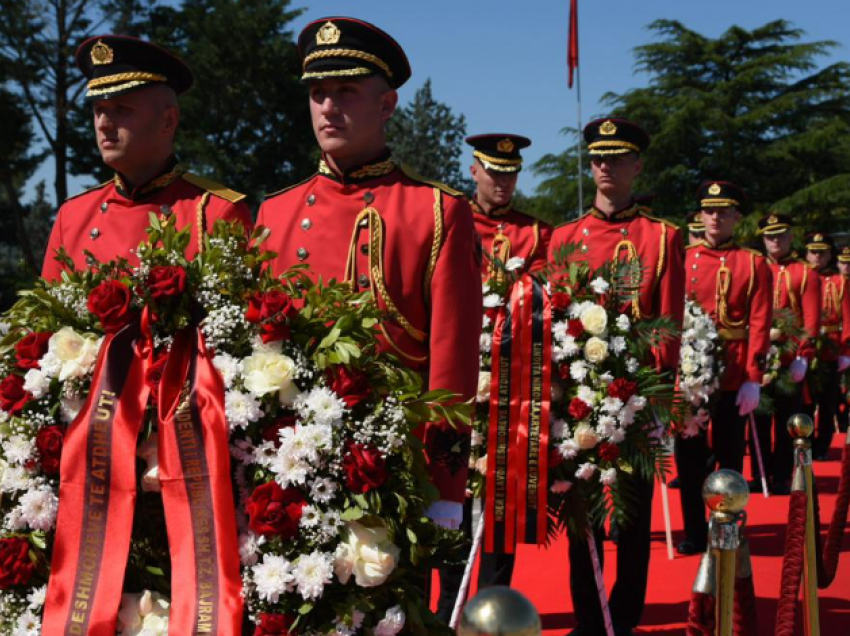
[[331, 480], [700, 368]]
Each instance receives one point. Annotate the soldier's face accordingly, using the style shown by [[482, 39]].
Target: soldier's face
[[493, 187], [819, 258], [720, 223], [136, 128], [615, 174], [844, 268], [349, 115], [777, 245]]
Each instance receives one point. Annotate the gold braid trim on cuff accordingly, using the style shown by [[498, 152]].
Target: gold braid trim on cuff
[[352, 53]]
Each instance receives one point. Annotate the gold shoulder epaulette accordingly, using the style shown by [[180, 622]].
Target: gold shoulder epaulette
[[645, 212], [92, 189], [213, 188], [412, 174], [291, 187], [752, 251], [691, 246]]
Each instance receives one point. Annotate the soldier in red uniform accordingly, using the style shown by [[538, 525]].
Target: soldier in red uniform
[[796, 288], [366, 219], [617, 227], [734, 286], [133, 86], [844, 407], [696, 228], [835, 325]]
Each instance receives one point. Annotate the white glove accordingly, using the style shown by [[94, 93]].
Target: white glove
[[446, 514], [748, 398], [843, 362], [798, 369]]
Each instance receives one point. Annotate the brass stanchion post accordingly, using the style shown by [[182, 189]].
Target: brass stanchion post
[[726, 494], [499, 611], [800, 427]]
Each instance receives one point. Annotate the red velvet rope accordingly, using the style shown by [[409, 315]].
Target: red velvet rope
[[701, 620], [835, 534], [792, 565], [744, 619]]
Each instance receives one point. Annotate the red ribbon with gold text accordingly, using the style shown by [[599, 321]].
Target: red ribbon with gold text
[[98, 493], [520, 399]]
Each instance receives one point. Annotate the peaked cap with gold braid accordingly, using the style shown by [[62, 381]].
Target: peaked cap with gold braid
[[609, 136], [499, 151]]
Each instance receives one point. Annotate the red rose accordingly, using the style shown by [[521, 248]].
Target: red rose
[[561, 300], [30, 349], [153, 376], [166, 281], [365, 469], [274, 625], [110, 302], [49, 444], [271, 433], [609, 452], [491, 313], [13, 398], [579, 409], [15, 564], [275, 511], [575, 328], [564, 371], [272, 309], [350, 385], [622, 389]]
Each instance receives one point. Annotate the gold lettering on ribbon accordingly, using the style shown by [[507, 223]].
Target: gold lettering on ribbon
[[534, 423], [503, 427]]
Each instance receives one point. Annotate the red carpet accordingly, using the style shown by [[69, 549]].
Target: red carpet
[[542, 574]]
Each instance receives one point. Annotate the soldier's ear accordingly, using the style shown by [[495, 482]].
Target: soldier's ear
[[389, 101]]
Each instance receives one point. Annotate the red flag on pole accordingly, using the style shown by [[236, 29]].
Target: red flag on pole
[[572, 47]]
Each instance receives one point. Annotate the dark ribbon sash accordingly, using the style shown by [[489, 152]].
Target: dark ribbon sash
[[520, 399], [98, 493]]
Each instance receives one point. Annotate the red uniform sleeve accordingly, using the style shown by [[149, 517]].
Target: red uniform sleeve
[[233, 212], [810, 304], [761, 319], [51, 269], [845, 318], [455, 330], [671, 299]]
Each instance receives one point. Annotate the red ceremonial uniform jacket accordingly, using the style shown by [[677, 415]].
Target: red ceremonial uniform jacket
[[796, 287], [110, 222], [835, 314], [633, 233], [412, 242], [734, 285], [506, 233]]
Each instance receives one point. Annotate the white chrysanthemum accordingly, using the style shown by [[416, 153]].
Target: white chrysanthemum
[[229, 367], [37, 597], [331, 522], [578, 370], [632, 365], [316, 438], [570, 347], [322, 404], [310, 517], [392, 622], [485, 342], [587, 395], [623, 323], [568, 449], [70, 407], [618, 345], [492, 301], [586, 471], [560, 486], [514, 263], [485, 321], [618, 436], [312, 572], [323, 490], [608, 476], [272, 577], [14, 478], [599, 285], [612, 405], [39, 507], [289, 469], [249, 547], [241, 409], [19, 449], [28, 624], [36, 382], [558, 428]]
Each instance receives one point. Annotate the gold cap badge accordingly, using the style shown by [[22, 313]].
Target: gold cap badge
[[714, 189], [328, 34], [772, 219], [608, 128], [101, 53], [818, 238], [506, 145]]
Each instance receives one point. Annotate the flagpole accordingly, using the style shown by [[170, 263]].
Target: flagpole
[[578, 141]]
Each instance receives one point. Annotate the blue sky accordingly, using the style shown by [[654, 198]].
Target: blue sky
[[503, 63]]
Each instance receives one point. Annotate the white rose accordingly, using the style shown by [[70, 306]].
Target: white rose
[[595, 350], [483, 386], [594, 319], [73, 353], [367, 553], [585, 437], [269, 372], [143, 614], [688, 368]]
